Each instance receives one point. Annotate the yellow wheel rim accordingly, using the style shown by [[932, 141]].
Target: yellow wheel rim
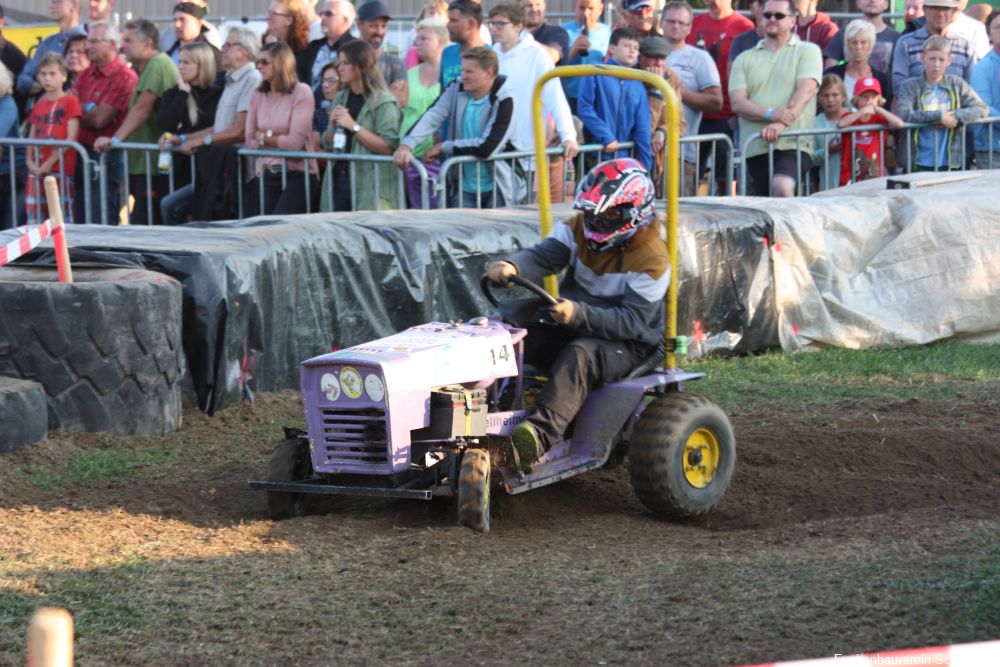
[[701, 458]]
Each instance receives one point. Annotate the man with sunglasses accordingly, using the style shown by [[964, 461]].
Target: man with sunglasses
[[773, 88], [640, 16], [335, 21], [610, 318]]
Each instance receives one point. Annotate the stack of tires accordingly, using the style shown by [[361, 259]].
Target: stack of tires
[[106, 350]]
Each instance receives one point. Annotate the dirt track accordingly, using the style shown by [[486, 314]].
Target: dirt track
[[852, 527]]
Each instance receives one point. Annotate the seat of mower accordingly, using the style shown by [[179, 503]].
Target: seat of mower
[[654, 360]]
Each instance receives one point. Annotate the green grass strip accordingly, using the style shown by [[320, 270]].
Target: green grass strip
[[930, 372]]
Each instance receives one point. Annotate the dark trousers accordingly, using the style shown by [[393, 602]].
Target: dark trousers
[[147, 192], [12, 213], [112, 194], [279, 199], [576, 364], [716, 126]]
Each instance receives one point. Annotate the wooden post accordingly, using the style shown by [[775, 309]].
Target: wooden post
[[58, 230], [50, 638]]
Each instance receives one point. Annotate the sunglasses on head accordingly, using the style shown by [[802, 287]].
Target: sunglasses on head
[[777, 16]]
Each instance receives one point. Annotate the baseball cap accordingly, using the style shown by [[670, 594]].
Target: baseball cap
[[373, 10], [867, 84], [636, 5], [654, 47], [949, 4], [190, 8]]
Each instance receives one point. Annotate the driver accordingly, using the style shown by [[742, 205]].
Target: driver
[[611, 319]]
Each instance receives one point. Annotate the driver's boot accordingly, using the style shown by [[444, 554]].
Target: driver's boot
[[527, 444]]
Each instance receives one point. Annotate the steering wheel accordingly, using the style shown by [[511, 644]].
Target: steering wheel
[[537, 290]]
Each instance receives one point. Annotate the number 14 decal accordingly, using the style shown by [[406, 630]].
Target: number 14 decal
[[501, 354]]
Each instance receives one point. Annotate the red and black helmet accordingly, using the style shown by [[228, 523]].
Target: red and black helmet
[[616, 198]]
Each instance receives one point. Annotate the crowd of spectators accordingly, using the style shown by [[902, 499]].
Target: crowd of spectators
[[327, 79]]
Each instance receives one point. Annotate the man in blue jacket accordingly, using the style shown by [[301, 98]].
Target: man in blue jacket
[[616, 110]]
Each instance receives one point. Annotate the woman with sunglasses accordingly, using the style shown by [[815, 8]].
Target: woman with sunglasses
[[280, 118], [370, 116]]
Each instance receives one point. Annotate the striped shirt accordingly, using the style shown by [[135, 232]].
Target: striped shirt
[[906, 57]]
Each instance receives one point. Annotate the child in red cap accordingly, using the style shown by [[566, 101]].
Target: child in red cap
[[863, 152]]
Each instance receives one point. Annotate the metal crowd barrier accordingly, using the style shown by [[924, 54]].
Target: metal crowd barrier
[[521, 164], [803, 185], [714, 139], [151, 170], [15, 176], [330, 158]]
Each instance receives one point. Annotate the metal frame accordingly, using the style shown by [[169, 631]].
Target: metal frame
[[670, 191]]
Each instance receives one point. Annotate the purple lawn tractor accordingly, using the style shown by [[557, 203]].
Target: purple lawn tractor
[[428, 411]]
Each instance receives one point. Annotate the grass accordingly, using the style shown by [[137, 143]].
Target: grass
[[117, 462], [927, 372], [99, 598]]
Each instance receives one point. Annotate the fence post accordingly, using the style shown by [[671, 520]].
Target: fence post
[[58, 230], [50, 638]]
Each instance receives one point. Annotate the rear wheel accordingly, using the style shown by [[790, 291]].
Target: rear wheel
[[474, 490], [289, 462], [681, 455]]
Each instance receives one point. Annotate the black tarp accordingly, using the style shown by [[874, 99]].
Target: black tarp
[[261, 295]]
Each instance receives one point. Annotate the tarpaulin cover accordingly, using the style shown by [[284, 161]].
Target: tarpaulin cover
[[263, 294], [864, 266]]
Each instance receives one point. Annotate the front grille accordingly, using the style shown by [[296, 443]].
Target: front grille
[[355, 435]]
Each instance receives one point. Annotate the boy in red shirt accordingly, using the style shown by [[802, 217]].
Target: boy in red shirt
[[56, 115], [863, 152]]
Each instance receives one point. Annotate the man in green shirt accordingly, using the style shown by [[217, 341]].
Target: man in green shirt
[[157, 74], [772, 88]]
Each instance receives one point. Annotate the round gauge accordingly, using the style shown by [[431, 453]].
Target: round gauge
[[374, 388], [330, 386], [350, 381]]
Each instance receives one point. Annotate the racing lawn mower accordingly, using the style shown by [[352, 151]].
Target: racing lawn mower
[[429, 411]]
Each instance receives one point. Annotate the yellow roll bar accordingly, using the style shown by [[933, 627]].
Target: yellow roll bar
[[672, 167]]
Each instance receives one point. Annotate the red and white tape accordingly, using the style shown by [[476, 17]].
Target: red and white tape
[[958, 655], [28, 240]]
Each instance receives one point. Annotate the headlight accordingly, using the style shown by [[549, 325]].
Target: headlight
[[330, 386], [375, 388], [350, 381]]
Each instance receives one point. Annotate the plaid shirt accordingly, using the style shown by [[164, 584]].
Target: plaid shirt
[[112, 85]]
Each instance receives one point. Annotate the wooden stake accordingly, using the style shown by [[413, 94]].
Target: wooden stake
[[58, 229], [50, 638]]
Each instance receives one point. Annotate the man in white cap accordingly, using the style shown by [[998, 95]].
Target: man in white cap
[[906, 62]]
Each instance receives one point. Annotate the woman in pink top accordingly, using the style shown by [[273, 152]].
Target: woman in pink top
[[280, 118]]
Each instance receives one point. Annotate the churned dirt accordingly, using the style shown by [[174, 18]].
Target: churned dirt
[[849, 527]]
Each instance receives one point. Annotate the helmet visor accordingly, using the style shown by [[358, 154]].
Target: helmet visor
[[609, 220]]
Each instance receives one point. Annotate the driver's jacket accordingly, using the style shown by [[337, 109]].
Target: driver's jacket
[[618, 294]]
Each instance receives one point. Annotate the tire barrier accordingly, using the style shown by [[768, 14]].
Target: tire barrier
[[106, 349], [22, 412]]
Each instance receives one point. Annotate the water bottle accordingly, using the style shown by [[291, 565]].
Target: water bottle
[[339, 140], [701, 43], [166, 160]]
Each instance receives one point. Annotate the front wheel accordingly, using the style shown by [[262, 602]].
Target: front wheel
[[289, 462], [681, 455], [474, 490]]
